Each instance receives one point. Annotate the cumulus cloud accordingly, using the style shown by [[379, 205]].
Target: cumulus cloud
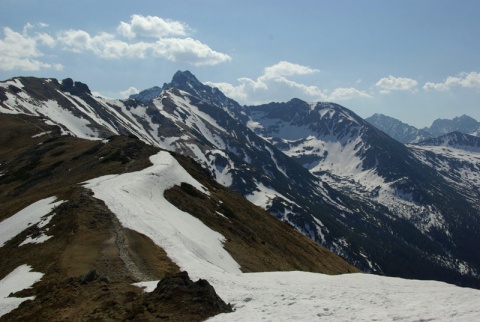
[[189, 51], [152, 26], [342, 94], [238, 93], [131, 90], [21, 50], [392, 83], [105, 45], [80, 41], [275, 83], [285, 68], [468, 80], [186, 50]]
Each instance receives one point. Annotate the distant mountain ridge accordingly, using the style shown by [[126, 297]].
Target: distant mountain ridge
[[405, 133], [455, 139], [385, 207], [464, 124], [398, 130]]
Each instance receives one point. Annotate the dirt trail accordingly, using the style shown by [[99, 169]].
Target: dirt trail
[[121, 241]]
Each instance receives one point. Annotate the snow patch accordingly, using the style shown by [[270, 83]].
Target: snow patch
[[19, 279], [263, 196], [137, 200], [31, 215], [41, 134]]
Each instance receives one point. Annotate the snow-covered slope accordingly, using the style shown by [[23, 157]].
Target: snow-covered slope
[[339, 180], [356, 158], [456, 140], [137, 200]]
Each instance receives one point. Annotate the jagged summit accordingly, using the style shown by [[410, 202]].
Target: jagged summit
[[464, 124], [398, 130], [186, 81], [75, 88], [182, 79]]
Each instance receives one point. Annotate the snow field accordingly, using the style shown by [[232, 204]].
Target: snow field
[[31, 215], [20, 278], [137, 199], [302, 296]]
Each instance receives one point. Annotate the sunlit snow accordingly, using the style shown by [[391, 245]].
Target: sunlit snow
[[31, 215], [137, 199], [20, 278]]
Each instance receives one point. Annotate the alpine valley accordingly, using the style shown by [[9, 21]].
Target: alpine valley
[[405, 209]]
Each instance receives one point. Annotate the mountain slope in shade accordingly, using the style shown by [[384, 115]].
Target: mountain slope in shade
[[456, 156], [357, 199], [86, 233], [398, 130], [356, 158], [405, 133], [146, 95], [455, 140], [464, 124], [97, 236]]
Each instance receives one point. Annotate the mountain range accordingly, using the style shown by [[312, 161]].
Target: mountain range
[[388, 208], [405, 133]]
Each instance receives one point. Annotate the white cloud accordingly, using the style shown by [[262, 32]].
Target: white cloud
[[20, 50], [152, 26], [126, 93], [342, 94], [468, 80], [189, 51], [392, 83], [105, 45], [285, 68], [79, 41], [275, 83], [238, 93], [45, 39]]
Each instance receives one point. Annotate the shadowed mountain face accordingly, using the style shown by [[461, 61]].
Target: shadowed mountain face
[[82, 234], [319, 167], [399, 131], [409, 134]]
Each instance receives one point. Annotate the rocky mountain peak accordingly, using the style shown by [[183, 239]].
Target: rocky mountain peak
[[464, 123], [147, 95], [74, 88], [180, 79], [398, 130]]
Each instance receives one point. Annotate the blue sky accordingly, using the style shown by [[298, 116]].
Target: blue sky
[[415, 60]]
